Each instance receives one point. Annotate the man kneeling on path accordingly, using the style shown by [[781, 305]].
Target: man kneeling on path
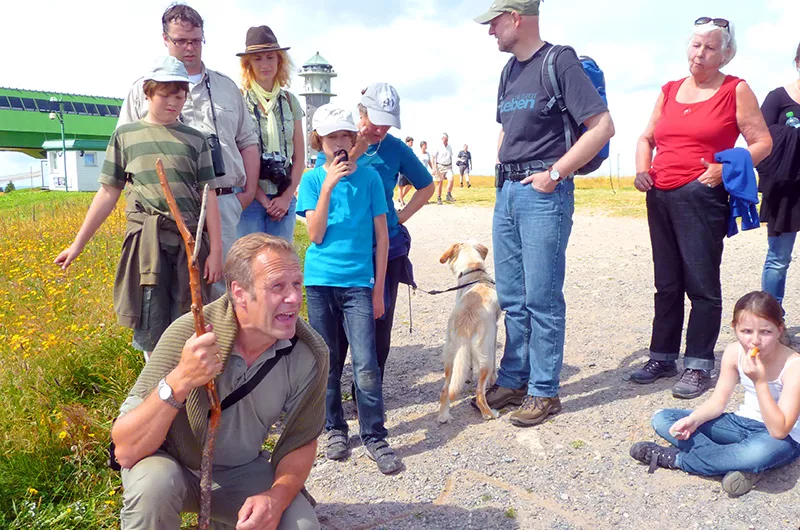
[[159, 434]]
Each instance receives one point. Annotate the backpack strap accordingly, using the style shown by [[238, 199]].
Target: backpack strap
[[253, 382], [558, 96], [504, 78]]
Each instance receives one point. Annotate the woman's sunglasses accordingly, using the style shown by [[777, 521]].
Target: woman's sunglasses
[[719, 22]]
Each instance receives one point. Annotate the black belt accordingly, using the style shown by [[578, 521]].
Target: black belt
[[518, 171], [224, 191]]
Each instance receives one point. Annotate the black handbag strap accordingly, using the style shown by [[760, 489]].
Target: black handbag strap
[[253, 382]]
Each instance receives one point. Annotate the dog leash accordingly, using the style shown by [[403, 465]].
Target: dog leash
[[456, 288], [435, 292]]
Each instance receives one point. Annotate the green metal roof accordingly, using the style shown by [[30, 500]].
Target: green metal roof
[[76, 145], [25, 123], [317, 60], [22, 93]]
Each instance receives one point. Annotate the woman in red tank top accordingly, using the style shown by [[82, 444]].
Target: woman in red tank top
[[687, 207]]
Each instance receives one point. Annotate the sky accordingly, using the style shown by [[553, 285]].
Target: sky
[[445, 66]]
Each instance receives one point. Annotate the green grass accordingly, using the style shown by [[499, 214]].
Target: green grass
[[35, 202], [593, 196]]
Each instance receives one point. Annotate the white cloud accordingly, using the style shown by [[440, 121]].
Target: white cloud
[[445, 66]]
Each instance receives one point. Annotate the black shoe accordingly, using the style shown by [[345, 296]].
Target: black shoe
[[337, 444], [383, 455], [654, 370], [655, 455], [469, 185], [692, 384]]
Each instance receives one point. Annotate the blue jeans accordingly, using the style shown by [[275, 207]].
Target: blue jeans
[[328, 309], [779, 256], [687, 228], [255, 219], [726, 443], [530, 231]]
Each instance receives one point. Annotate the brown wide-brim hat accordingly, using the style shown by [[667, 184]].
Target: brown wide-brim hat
[[261, 39]]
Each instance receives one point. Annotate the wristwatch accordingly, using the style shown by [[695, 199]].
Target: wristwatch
[[165, 393], [555, 176]]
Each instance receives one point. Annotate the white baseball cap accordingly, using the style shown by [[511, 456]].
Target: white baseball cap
[[383, 104], [329, 118], [166, 69]]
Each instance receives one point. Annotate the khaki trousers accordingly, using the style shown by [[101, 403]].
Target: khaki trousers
[[158, 489]]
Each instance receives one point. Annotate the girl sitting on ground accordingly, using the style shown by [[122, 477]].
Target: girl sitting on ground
[[763, 433]]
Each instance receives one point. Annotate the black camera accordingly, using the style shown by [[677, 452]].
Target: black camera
[[216, 155], [275, 170]]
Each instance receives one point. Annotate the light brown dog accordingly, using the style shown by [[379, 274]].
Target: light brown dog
[[472, 329]]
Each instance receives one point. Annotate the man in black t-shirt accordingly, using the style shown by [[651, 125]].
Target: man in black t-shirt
[[535, 201]]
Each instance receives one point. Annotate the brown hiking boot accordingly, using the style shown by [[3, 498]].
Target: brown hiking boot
[[534, 410], [498, 397]]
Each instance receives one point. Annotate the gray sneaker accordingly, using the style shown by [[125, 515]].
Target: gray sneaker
[[383, 455], [737, 483], [337, 445], [693, 383], [449, 198]]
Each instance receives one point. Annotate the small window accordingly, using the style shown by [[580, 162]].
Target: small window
[[53, 160], [16, 103], [80, 108], [91, 108], [114, 110], [4, 104], [44, 105], [67, 105], [28, 104], [89, 159], [102, 110]]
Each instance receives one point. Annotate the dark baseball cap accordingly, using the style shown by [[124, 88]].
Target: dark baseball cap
[[498, 7]]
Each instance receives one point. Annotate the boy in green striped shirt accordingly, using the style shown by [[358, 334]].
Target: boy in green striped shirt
[[152, 282]]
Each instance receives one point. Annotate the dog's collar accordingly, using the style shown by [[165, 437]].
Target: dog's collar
[[471, 271]]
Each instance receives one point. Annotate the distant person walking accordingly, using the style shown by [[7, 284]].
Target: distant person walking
[[443, 169], [403, 185], [278, 114], [425, 157], [465, 165], [215, 108]]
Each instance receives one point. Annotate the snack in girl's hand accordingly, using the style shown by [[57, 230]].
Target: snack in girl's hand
[[753, 352]]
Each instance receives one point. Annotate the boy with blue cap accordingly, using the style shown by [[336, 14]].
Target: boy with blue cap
[[151, 288]]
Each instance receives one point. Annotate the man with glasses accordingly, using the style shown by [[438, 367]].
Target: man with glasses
[[215, 107]]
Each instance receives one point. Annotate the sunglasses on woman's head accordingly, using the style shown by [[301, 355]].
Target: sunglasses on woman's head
[[719, 22]]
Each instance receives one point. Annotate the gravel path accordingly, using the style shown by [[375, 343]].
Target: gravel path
[[573, 471]]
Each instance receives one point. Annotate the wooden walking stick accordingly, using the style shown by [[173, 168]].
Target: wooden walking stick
[[192, 253]]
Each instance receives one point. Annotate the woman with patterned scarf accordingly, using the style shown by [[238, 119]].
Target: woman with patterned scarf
[[266, 70]]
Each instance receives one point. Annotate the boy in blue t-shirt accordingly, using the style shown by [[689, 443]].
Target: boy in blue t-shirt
[[345, 208]]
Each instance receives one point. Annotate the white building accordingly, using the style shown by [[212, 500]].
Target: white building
[[84, 160]]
